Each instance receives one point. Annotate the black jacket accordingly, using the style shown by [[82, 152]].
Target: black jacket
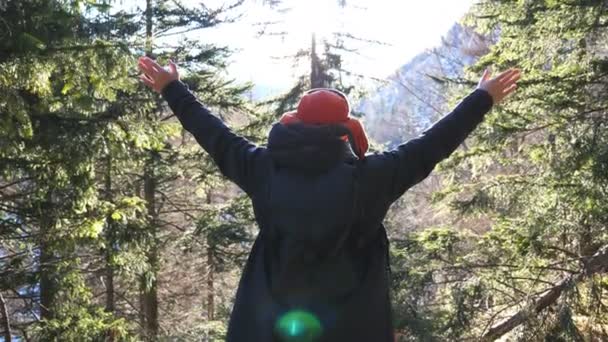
[[321, 247]]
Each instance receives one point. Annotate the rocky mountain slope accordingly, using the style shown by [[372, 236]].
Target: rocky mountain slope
[[413, 97]]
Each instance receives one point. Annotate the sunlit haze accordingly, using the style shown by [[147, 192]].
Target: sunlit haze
[[405, 27]]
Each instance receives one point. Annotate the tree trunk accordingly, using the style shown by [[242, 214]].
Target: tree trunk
[[598, 263], [110, 306], [5, 320], [47, 284], [317, 79], [210, 285], [209, 272], [149, 291], [109, 237], [48, 269], [149, 285]]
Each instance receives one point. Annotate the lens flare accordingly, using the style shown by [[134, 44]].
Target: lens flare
[[298, 326]]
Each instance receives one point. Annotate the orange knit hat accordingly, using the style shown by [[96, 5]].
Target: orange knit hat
[[323, 106]]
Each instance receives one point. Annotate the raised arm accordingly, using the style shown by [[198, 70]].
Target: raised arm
[[238, 159], [413, 161]]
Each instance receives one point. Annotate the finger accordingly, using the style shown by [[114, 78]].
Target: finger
[[148, 78], [506, 75], [498, 77], [147, 81], [512, 79], [144, 60], [151, 67], [153, 64], [510, 89], [173, 68], [486, 75], [146, 69]]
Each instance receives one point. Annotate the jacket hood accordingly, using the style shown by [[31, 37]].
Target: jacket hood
[[310, 148]]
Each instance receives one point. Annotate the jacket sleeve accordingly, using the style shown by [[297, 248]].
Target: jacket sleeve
[[413, 161], [238, 159]]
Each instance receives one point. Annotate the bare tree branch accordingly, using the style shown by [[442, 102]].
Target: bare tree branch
[[598, 263]]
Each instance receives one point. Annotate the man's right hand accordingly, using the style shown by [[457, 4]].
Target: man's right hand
[[500, 86], [155, 76]]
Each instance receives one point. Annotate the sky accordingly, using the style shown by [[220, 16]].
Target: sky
[[406, 27]]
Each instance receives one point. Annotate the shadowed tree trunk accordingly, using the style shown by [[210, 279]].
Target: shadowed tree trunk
[[598, 263], [317, 78], [149, 286], [6, 324], [109, 236], [48, 268], [210, 285], [209, 272], [149, 283]]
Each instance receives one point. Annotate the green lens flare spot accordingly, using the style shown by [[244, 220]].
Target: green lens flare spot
[[298, 326]]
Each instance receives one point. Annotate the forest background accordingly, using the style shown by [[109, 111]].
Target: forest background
[[116, 226]]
